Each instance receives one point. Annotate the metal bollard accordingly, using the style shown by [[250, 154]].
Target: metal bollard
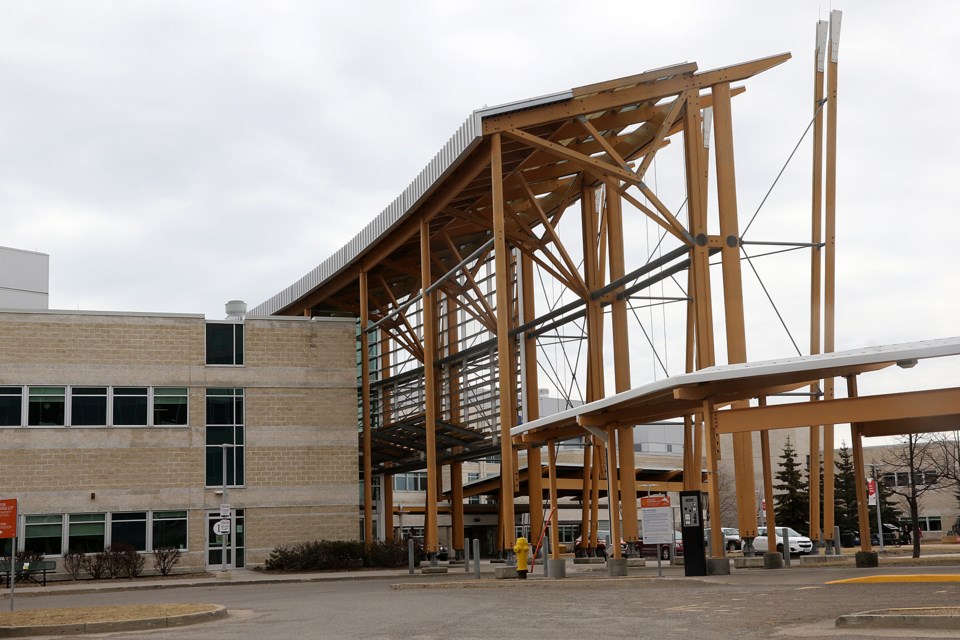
[[546, 555], [786, 548], [836, 541], [466, 557], [476, 557], [410, 562]]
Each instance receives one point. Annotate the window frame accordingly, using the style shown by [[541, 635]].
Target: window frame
[[237, 438], [238, 343]]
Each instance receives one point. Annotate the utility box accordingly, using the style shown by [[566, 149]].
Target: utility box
[[691, 527]]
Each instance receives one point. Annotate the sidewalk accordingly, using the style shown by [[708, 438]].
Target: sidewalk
[[456, 573]]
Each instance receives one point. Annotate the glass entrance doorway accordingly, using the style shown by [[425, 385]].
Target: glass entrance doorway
[[235, 540]]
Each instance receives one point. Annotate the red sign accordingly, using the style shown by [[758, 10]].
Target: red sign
[[8, 518], [650, 502], [871, 491]]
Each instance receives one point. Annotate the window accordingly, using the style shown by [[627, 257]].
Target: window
[[44, 534], [88, 406], [224, 427], [926, 523], [170, 406], [47, 406], [224, 343], [11, 406], [410, 481], [129, 528], [902, 478], [87, 532], [170, 529], [473, 477], [130, 406]]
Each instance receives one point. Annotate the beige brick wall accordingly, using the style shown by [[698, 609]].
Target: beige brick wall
[[301, 451]]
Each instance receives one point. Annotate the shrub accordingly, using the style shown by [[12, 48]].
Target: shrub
[[132, 562], [73, 562], [115, 560], [165, 558], [320, 555], [334, 555], [29, 556], [391, 553], [96, 564]]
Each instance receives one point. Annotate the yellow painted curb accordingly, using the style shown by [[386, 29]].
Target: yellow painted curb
[[921, 577]]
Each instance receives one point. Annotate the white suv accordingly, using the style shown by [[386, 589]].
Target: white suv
[[798, 544]]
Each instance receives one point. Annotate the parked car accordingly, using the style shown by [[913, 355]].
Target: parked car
[[651, 550], [798, 544], [603, 538], [731, 538]]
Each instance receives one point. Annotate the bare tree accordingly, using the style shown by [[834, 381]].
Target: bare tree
[[915, 463], [947, 464]]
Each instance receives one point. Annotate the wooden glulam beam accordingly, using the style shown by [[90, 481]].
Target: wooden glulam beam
[[865, 409]]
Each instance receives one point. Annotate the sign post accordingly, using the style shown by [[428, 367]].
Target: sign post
[[8, 529], [657, 524]]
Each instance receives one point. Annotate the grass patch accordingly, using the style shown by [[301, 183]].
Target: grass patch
[[81, 615]]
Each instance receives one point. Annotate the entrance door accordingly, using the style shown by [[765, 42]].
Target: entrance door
[[235, 544]]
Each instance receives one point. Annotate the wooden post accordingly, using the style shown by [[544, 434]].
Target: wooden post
[[859, 472], [430, 384], [555, 526], [365, 407], [816, 258], [531, 398], [504, 343], [386, 486], [830, 268], [733, 299], [621, 364], [456, 468], [770, 519], [713, 457]]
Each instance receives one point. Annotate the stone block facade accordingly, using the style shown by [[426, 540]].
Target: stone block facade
[[297, 431]]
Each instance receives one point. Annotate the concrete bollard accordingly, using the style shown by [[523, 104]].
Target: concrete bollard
[[476, 558]]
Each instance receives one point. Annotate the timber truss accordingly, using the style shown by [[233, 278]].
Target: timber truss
[[507, 262]]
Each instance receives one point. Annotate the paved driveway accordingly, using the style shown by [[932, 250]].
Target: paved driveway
[[748, 604]]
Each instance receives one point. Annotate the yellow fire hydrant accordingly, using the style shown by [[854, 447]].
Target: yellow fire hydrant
[[522, 549]]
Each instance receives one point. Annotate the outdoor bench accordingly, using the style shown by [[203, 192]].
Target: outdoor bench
[[28, 573]]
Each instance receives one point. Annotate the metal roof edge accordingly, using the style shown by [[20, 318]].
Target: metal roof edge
[[464, 140], [905, 351]]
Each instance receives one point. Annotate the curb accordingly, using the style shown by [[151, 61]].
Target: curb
[[217, 613], [915, 577], [882, 620]]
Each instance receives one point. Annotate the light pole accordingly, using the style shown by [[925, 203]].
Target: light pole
[[225, 535]]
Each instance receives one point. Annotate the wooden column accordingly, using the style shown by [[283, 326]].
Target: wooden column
[[829, 288], [365, 412], [552, 474], [713, 457], [531, 398], [733, 299], [770, 519], [860, 474], [621, 364], [386, 486], [429, 302], [816, 258], [504, 343], [594, 323], [456, 468]]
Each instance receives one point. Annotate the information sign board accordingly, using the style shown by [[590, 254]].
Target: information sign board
[[657, 520]]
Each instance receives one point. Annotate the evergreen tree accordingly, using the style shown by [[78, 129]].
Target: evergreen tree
[[845, 492], [792, 502]]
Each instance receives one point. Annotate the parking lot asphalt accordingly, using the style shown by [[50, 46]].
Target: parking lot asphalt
[[386, 604]]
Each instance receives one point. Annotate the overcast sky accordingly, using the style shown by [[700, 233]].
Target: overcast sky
[[170, 156]]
